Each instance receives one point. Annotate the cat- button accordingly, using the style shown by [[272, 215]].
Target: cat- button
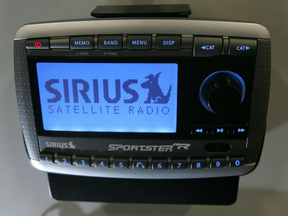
[[207, 46]]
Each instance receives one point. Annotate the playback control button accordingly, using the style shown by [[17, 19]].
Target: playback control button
[[198, 129]]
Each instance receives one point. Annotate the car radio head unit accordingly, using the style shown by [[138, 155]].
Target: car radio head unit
[[154, 98]]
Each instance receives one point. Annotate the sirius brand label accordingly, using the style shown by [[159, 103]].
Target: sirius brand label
[[108, 97], [62, 145]]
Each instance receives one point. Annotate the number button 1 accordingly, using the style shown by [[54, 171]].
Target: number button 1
[[159, 164], [179, 164]]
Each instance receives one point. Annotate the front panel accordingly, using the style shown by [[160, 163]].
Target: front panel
[[150, 104]]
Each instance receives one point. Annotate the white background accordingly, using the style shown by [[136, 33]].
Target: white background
[[24, 190]]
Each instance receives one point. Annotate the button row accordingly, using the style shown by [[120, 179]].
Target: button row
[[219, 129], [142, 163], [202, 46]]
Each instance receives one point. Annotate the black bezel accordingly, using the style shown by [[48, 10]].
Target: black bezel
[[192, 71]]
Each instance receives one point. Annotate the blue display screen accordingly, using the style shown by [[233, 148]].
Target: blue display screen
[[108, 97]]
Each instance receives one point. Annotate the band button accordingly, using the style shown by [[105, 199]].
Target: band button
[[84, 42], [139, 42], [168, 42], [207, 46], [110, 42]]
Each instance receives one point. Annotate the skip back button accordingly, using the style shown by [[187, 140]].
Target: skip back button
[[198, 130]]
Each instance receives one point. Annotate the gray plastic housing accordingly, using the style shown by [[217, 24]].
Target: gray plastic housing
[[259, 103]]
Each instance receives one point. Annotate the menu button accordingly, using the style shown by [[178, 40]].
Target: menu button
[[139, 42]]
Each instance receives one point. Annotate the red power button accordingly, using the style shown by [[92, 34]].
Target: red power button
[[37, 44]]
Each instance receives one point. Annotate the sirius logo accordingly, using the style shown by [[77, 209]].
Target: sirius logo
[[81, 88], [155, 93], [62, 145], [104, 96]]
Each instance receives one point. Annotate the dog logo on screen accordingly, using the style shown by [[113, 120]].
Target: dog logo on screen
[[155, 92]]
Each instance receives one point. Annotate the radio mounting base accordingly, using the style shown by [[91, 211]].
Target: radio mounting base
[[169, 10], [208, 191]]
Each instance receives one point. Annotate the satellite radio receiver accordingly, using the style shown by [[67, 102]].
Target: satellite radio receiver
[[143, 98]]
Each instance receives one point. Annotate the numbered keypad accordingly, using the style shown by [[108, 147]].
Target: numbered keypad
[[179, 164], [101, 162], [120, 163], [159, 164], [63, 159], [198, 163], [82, 161], [218, 162], [142, 163]]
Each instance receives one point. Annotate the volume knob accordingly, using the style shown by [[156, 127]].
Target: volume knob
[[222, 92]]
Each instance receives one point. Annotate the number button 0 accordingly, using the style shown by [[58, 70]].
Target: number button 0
[[237, 162], [159, 164], [179, 164]]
